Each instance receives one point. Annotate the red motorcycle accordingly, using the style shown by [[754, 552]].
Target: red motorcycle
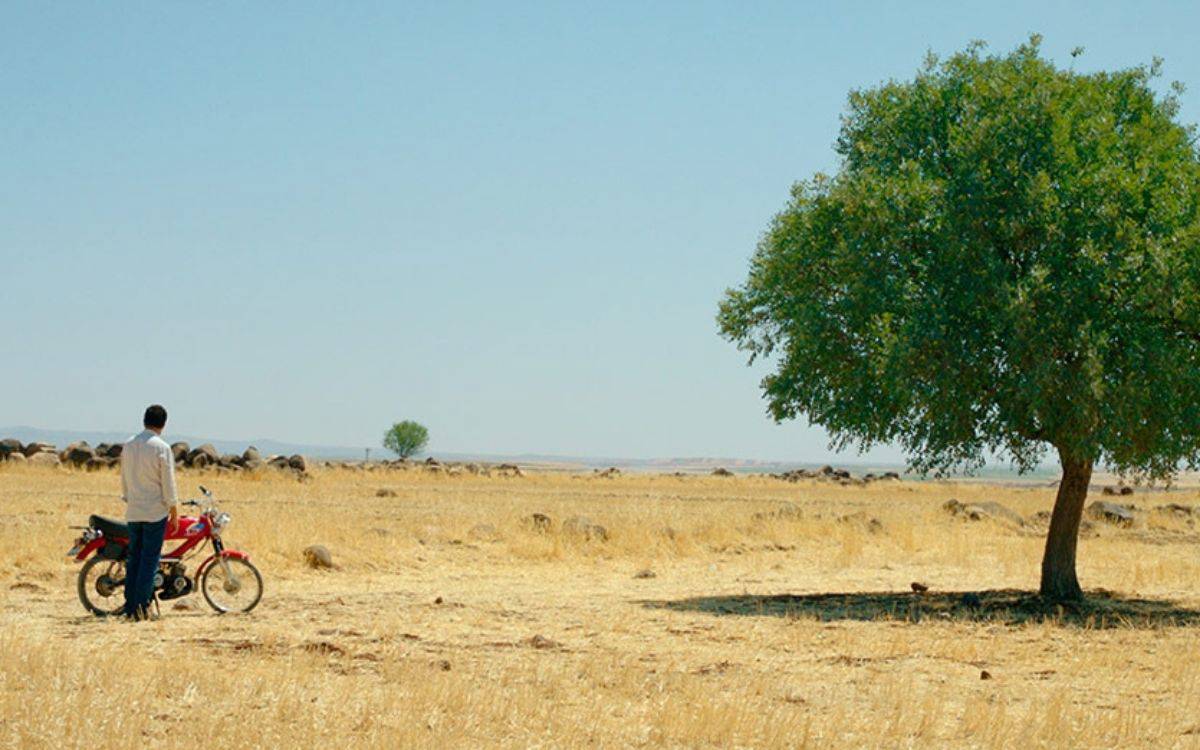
[[227, 578]]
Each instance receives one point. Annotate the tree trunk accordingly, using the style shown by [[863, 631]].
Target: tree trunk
[[1058, 563]]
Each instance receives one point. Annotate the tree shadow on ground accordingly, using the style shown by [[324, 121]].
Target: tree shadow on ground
[[1101, 609]]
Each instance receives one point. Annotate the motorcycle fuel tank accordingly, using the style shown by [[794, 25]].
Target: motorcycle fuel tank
[[188, 527]]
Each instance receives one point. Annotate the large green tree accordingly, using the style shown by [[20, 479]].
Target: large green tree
[[1006, 262], [406, 438]]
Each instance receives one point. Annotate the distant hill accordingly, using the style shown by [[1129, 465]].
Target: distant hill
[[699, 464], [267, 446]]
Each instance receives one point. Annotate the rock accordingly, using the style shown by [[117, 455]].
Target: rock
[[206, 450], [278, 462], [1114, 513], [34, 448], [78, 454], [510, 470], [95, 463], [185, 605], [795, 475], [645, 573], [229, 460], [317, 556], [17, 458], [997, 511], [180, 450], [199, 460], [790, 511], [785, 512], [985, 510], [385, 492], [870, 523], [9, 447], [298, 462], [44, 458], [722, 472], [825, 470], [582, 526], [251, 454], [484, 532], [541, 642], [539, 522], [1175, 509]]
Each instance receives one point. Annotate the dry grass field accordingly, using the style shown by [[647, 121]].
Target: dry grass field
[[761, 626]]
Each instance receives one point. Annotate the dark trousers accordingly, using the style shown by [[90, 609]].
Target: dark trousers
[[141, 562]]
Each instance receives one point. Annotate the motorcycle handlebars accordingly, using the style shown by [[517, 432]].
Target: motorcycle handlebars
[[196, 503]]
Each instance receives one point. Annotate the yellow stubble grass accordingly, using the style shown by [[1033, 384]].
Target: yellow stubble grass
[[422, 636]]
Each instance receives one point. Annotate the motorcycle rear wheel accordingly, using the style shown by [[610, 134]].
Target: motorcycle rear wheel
[[239, 593], [102, 586]]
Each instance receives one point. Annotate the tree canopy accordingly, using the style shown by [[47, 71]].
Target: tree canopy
[[406, 438], [1007, 259]]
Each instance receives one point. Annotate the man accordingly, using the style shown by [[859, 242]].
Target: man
[[148, 487]]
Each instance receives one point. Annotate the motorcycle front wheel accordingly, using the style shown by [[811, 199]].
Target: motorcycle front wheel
[[231, 585], [102, 586]]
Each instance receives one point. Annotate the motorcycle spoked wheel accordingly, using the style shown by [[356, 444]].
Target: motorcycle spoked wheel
[[237, 590], [102, 586]]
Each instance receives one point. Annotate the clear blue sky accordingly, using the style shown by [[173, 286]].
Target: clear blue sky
[[509, 221]]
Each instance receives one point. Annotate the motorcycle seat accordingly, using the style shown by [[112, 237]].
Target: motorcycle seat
[[110, 527]]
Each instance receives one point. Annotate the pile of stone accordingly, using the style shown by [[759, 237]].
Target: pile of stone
[[830, 474], [207, 457], [78, 454], [105, 455], [1113, 513], [430, 466], [981, 511], [42, 454]]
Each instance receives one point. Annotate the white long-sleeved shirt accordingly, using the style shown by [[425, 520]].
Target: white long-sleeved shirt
[[147, 477]]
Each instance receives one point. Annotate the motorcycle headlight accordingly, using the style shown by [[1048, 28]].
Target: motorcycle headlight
[[221, 521]]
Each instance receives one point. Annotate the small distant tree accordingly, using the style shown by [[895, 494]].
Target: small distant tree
[[406, 438], [1006, 261]]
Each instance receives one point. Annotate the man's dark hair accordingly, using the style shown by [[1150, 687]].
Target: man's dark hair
[[156, 417]]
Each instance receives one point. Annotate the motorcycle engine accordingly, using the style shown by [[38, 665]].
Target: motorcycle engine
[[175, 582]]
